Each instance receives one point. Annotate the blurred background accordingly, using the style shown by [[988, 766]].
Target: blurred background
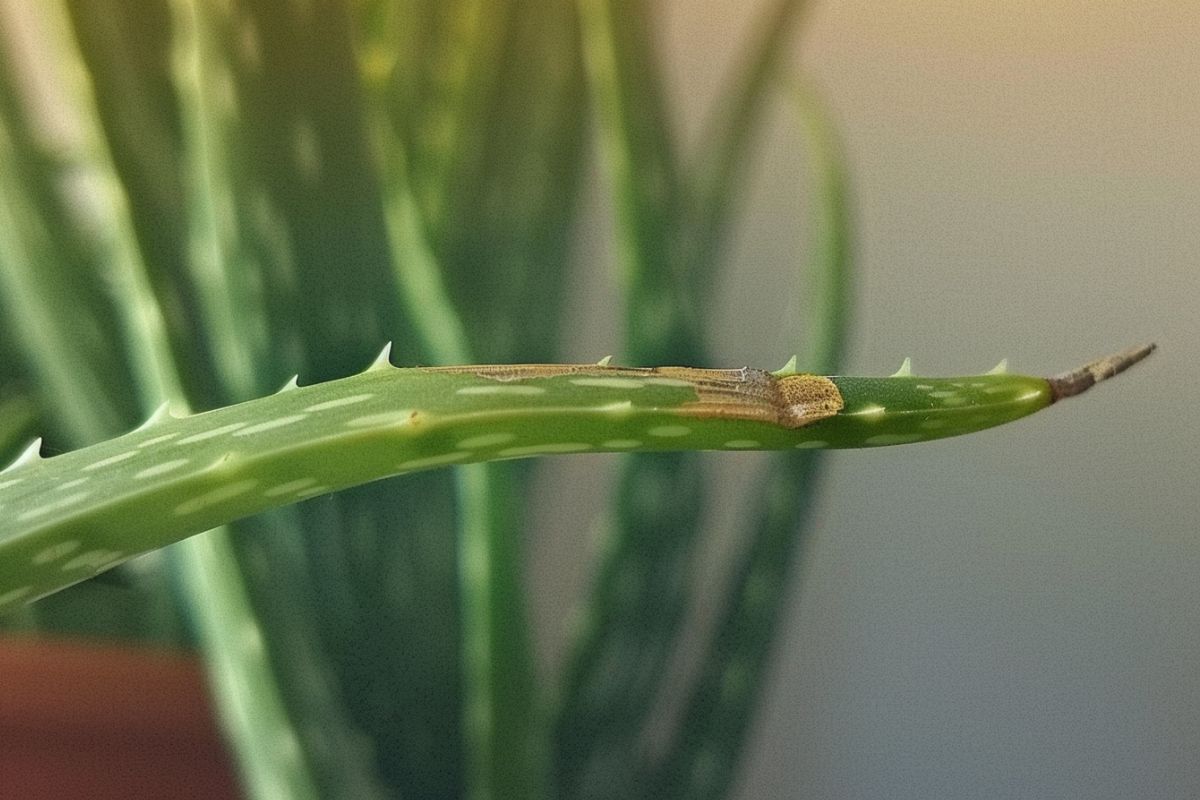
[[1013, 614]]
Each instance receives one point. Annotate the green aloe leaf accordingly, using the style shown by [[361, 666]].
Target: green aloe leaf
[[70, 516], [702, 759]]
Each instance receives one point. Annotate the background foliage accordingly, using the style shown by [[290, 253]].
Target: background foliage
[[226, 194]]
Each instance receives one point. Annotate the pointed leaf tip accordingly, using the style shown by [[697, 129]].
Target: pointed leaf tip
[[604, 361], [30, 455], [383, 360], [787, 369], [999, 369], [1078, 381], [905, 370]]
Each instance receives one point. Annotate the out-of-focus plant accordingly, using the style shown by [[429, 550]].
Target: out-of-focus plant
[[199, 200]]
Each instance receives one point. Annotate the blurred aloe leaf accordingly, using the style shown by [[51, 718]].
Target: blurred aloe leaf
[[710, 735]]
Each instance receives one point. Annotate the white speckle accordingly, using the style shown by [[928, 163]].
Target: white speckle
[[339, 402], [978, 385], [893, 438], [486, 440], [670, 430], [57, 551], [312, 490], [56, 505], [869, 411], [72, 484], [93, 559], [621, 444], [270, 425], [212, 498], [162, 469], [959, 384], [13, 595], [943, 394], [622, 407], [956, 400], [432, 461], [925, 386], [933, 424], [13, 482], [1029, 395], [221, 431], [610, 383], [544, 449], [158, 439], [668, 382], [289, 487], [501, 389], [108, 462], [402, 417], [741, 444], [812, 444]]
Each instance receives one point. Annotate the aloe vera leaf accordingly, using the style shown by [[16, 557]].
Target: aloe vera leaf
[[287, 163], [17, 415], [702, 758], [502, 732], [72, 515], [493, 136], [620, 652], [142, 326], [718, 171], [47, 262]]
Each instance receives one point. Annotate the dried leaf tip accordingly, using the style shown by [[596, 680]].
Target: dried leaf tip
[[1077, 381], [999, 369], [787, 369], [905, 370], [383, 360], [30, 455], [604, 361]]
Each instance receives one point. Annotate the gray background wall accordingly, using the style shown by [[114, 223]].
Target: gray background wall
[[1015, 614]]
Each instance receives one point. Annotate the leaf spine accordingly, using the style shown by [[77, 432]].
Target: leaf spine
[[999, 369], [292, 383], [383, 360], [158, 415], [787, 369], [604, 361], [905, 370], [32, 454]]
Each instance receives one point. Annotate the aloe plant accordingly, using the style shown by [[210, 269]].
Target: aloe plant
[[201, 200]]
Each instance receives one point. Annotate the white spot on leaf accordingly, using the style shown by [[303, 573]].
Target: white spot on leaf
[[214, 497], [161, 469], [57, 551], [501, 389], [271, 425], [339, 402], [221, 431]]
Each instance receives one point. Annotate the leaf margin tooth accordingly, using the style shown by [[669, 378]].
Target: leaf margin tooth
[[32, 454], [291, 384], [999, 369], [383, 361], [787, 369], [905, 370], [159, 415]]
